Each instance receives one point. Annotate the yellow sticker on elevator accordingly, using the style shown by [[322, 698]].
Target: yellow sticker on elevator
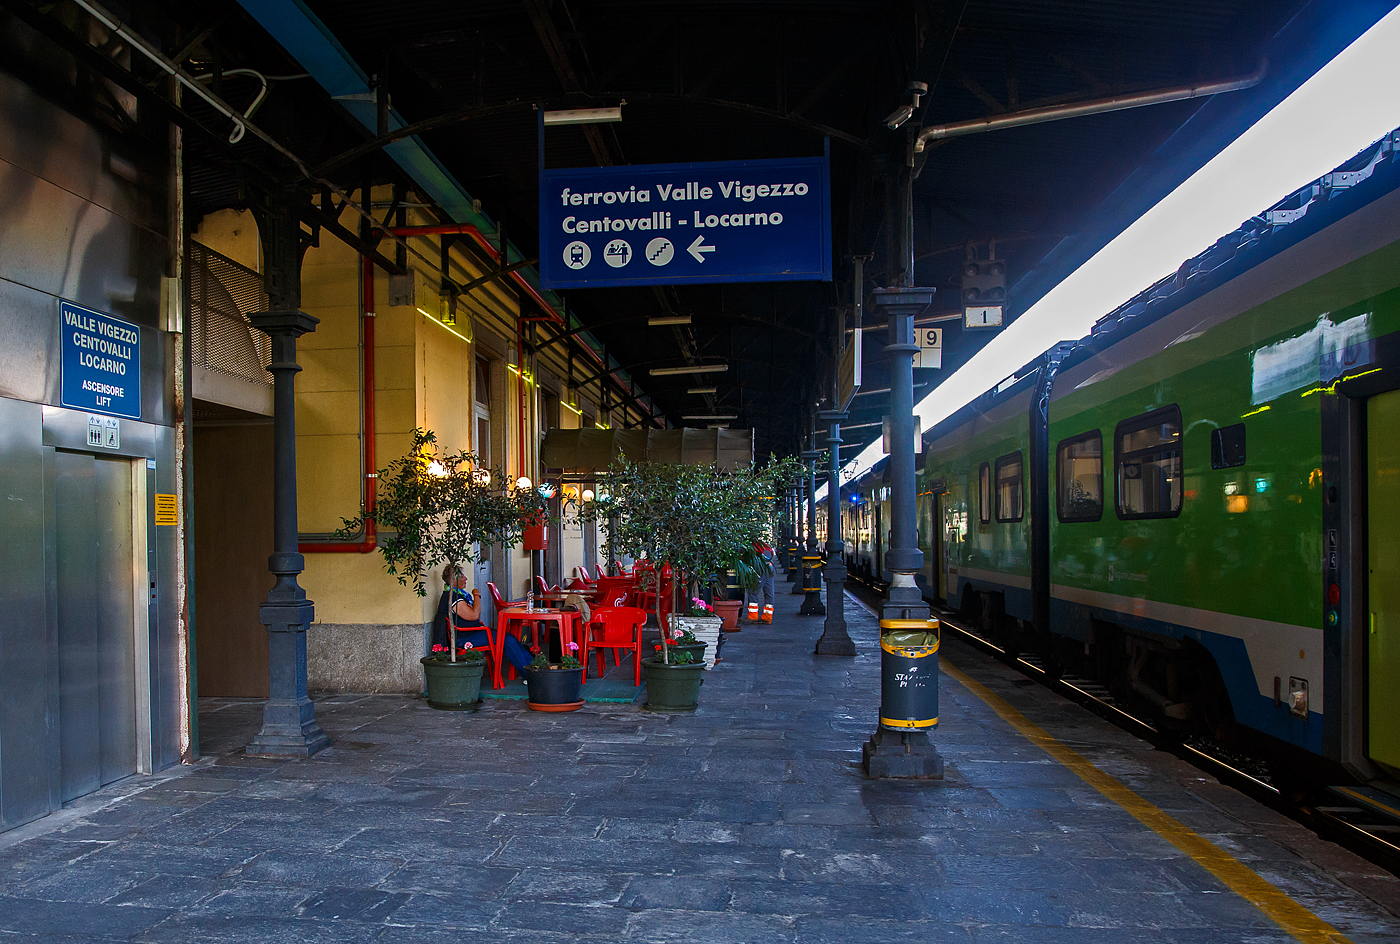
[[167, 510]]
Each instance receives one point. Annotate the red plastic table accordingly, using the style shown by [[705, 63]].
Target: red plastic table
[[570, 623]]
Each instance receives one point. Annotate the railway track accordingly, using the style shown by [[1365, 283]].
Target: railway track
[[1352, 817]]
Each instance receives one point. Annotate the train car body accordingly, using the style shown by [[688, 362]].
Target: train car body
[[1198, 503], [977, 471]]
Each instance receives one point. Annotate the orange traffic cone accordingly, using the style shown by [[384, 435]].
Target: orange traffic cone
[[768, 613], [753, 613]]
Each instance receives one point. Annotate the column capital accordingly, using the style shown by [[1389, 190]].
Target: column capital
[[903, 300], [285, 322]]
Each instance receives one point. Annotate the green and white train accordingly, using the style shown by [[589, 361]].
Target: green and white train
[[1199, 503]]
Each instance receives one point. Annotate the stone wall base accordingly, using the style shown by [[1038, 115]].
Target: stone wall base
[[366, 657]]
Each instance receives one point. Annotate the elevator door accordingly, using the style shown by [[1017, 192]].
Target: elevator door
[[96, 625], [1383, 553]]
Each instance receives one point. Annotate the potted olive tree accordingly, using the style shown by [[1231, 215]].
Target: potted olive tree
[[434, 510], [698, 518]]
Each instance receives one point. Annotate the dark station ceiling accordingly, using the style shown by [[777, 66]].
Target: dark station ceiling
[[734, 80]]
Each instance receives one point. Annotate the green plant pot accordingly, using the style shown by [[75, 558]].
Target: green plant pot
[[452, 686], [672, 687]]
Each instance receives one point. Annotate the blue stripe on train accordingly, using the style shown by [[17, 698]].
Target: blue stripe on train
[[1252, 709]]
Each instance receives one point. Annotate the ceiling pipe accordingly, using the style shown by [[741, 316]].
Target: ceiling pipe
[[1098, 106]]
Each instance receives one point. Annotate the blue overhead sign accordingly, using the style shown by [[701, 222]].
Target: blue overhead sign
[[101, 362], [668, 224]]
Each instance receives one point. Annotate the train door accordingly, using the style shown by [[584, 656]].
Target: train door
[[939, 536], [1383, 583], [97, 599], [877, 546]]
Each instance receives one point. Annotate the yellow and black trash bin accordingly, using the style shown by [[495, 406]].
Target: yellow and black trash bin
[[909, 674]]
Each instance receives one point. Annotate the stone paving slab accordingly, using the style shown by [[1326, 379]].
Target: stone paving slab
[[748, 821]]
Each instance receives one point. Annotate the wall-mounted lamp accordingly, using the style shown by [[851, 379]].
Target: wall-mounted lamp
[[701, 389], [669, 320]]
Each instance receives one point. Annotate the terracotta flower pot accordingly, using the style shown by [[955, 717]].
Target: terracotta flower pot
[[729, 610]]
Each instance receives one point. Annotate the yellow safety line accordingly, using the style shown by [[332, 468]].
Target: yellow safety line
[[1234, 874], [1367, 800]]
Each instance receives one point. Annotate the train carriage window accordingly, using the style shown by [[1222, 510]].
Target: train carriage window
[[984, 493], [1079, 470], [1009, 489], [1227, 447], [1147, 459]]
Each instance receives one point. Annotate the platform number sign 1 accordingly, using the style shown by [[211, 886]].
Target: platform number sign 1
[[983, 294], [930, 341]]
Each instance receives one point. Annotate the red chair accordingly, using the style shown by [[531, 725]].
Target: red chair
[[597, 569], [541, 585], [613, 591], [618, 628]]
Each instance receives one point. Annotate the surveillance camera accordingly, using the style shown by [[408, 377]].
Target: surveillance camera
[[899, 116]]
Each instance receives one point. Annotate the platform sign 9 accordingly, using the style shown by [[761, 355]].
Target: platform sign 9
[[930, 341]]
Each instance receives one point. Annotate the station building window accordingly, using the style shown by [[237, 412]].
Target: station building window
[[1079, 478], [1147, 458], [1227, 447], [1009, 487], [984, 493]]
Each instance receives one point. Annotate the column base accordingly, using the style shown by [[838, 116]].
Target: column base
[[287, 740], [812, 606], [901, 755], [835, 641]]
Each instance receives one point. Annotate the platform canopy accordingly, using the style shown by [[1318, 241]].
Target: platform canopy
[[589, 451]]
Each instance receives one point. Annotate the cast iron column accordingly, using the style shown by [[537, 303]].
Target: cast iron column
[[289, 726], [900, 750], [835, 641], [796, 544], [811, 573]]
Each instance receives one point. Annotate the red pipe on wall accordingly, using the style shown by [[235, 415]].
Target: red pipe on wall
[[367, 469]]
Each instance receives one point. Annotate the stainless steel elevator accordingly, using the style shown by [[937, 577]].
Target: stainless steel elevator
[[93, 502]]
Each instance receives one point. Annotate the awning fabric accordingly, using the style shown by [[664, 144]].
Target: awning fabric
[[588, 451]]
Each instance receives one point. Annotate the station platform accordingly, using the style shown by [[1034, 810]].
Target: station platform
[[747, 821]]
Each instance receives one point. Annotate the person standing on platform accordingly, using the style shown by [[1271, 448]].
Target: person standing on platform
[[767, 558]]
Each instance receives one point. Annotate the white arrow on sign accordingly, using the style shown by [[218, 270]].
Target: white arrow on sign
[[695, 248]]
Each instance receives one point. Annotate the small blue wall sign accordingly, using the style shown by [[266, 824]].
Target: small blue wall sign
[[101, 362], [674, 224]]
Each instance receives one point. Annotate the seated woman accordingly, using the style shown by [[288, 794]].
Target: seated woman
[[465, 612]]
